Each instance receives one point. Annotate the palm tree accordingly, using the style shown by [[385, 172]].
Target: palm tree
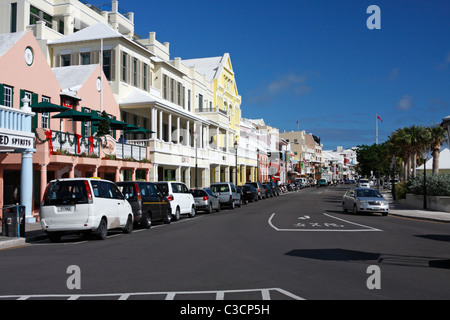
[[437, 136], [419, 137], [400, 141]]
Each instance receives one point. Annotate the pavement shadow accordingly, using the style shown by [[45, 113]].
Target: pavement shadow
[[338, 254]]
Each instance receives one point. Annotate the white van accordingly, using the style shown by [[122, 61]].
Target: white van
[[181, 199], [84, 205]]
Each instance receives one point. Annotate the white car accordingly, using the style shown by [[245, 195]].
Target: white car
[[84, 205], [364, 183], [181, 200]]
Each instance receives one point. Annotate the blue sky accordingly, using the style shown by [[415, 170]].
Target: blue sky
[[317, 62]]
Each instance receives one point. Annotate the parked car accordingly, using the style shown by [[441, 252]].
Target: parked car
[[227, 193], [241, 192], [364, 199], [205, 200], [322, 183], [181, 200], [258, 186], [250, 193], [84, 205], [147, 201], [274, 187], [363, 183], [266, 190]]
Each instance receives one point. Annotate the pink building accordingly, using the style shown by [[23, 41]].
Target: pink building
[[65, 147]]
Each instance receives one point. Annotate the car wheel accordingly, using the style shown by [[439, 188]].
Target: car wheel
[[218, 207], [343, 207], [233, 205], [192, 214], [129, 226], [168, 218], [177, 214], [210, 209], [240, 203], [355, 210], [147, 221], [102, 230]]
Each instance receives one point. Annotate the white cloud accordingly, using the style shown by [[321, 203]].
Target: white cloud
[[289, 83], [405, 103]]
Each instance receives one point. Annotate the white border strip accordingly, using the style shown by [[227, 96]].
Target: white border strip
[[366, 228]]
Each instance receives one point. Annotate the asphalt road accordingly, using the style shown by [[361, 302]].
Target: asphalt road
[[296, 246]]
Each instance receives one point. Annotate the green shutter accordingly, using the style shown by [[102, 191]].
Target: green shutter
[[2, 94], [34, 99], [83, 128], [22, 95], [93, 127]]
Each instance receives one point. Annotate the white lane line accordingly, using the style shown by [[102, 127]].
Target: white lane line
[[220, 295], [366, 228]]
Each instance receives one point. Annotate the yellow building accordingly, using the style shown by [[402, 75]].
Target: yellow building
[[224, 110]]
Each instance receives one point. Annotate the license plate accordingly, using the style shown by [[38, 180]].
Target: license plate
[[65, 209]]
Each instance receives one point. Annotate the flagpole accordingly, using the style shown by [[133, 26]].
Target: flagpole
[[376, 122]]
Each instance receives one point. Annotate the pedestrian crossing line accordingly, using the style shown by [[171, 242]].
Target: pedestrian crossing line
[[219, 295]]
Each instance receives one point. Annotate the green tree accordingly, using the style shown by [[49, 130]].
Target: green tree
[[103, 126], [372, 159]]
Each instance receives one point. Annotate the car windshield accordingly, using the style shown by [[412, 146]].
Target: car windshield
[[66, 192], [368, 193], [198, 193], [164, 188], [220, 188], [363, 181]]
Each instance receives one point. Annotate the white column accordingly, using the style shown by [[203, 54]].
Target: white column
[[178, 130], [153, 124], [188, 137], [170, 127], [160, 125]]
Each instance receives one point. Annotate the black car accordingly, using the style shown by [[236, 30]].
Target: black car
[[147, 201], [250, 193]]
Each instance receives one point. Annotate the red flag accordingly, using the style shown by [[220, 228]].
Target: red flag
[[378, 117], [297, 122]]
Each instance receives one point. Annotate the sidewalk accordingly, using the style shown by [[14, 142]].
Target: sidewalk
[[395, 209], [33, 232]]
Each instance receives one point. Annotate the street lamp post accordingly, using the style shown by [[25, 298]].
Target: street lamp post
[[236, 146], [257, 165], [425, 157]]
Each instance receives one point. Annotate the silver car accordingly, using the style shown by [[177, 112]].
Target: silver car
[[364, 200], [205, 200]]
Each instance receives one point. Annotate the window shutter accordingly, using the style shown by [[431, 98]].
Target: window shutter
[[2, 94], [113, 65]]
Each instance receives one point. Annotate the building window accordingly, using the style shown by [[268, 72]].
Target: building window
[[179, 94], [38, 15], [45, 115], [8, 96], [85, 58], [13, 17], [145, 77], [200, 102], [124, 66], [65, 60], [165, 87], [107, 64], [172, 88], [135, 72], [189, 100]]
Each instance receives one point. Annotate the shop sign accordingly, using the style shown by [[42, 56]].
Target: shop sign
[[16, 142]]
